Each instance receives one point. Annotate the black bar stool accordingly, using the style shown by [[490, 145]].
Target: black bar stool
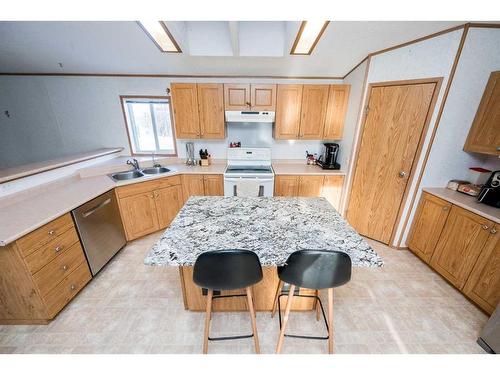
[[228, 270], [312, 269]]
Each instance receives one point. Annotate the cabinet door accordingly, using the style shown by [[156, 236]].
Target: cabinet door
[[288, 104], [214, 184], [483, 285], [310, 186], [484, 134], [286, 186], [139, 215], [338, 97], [313, 113], [192, 185], [332, 190], [185, 103], [427, 225], [460, 244], [168, 201], [211, 110], [263, 97], [237, 97]]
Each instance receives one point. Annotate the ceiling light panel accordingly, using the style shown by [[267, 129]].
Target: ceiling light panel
[[160, 35], [308, 36]]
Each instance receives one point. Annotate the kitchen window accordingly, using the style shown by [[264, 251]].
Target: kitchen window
[[149, 125]]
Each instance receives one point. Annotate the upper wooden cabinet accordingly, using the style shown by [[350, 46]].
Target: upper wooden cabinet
[[427, 225], [483, 285], [484, 134], [459, 245], [311, 111], [288, 105], [338, 97], [198, 110], [249, 97]]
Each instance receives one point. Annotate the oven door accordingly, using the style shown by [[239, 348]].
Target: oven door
[[266, 185]]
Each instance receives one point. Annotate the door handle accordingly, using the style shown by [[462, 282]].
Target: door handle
[[402, 174], [94, 209]]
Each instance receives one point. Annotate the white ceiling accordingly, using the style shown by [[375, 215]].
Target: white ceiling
[[237, 48]]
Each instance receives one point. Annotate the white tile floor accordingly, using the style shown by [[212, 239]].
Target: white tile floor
[[403, 307]]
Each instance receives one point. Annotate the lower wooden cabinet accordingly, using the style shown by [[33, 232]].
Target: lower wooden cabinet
[[461, 246], [329, 187], [199, 185], [168, 203], [213, 184], [41, 272], [138, 214], [427, 226]]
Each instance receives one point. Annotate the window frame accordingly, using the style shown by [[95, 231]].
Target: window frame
[[130, 137]]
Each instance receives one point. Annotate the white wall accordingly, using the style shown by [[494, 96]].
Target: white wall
[[430, 58], [351, 129], [57, 116], [480, 56]]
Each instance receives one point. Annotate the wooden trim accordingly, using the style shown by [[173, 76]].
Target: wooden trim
[[356, 66], [183, 288], [169, 99], [484, 25], [167, 31], [434, 130], [299, 35], [214, 76]]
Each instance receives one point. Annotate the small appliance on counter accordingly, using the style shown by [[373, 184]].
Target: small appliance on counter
[[329, 158], [490, 192], [190, 154]]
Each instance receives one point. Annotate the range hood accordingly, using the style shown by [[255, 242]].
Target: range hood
[[250, 116]]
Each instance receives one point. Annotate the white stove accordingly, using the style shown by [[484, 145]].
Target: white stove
[[249, 172]]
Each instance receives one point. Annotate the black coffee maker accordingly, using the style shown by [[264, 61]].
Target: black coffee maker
[[329, 158], [490, 192]]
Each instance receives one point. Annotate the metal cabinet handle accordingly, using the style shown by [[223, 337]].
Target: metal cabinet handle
[[493, 231], [65, 268], [57, 249], [445, 208], [52, 232], [72, 287], [485, 227], [402, 174], [151, 196], [157, 195]]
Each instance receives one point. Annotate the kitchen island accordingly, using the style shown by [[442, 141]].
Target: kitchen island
[[273, 227]]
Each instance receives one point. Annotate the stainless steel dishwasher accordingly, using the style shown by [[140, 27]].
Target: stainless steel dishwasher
[[100, 229]]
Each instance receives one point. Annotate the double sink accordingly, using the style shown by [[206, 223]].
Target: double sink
[[138, 173]]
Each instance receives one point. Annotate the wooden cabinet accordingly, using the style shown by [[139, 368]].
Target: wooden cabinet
[[427, 226], [288, 105], [149, 206], [484, 134], [338, 98], [211, 110], [459, 245], [329, 187], [311, 111], [213, 184], [185, 105], [198, 110], [483, 284], [246, 97], [332, 190], [41, 272]]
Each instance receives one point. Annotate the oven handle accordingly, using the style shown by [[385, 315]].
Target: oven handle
[[236, 179]]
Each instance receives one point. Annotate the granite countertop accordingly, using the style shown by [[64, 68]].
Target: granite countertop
[[273, 227], [467, 202]]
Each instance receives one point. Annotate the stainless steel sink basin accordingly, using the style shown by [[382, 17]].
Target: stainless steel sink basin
[[127, 175], [155, 170]]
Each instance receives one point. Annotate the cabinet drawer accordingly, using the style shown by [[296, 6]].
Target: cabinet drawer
[[54, 272], [146, 187], [48, 252], [43, 235], [58, 297]]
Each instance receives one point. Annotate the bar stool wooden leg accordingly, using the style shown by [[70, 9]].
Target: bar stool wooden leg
[[207, 320], [252, 318], [275, 303], [285, 319], [330, 320], [318, 307]]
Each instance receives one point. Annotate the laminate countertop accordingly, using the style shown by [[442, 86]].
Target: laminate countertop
[[273, 227], [467, 202]]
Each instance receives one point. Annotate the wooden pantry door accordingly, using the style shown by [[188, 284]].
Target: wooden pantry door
[[395, 121]]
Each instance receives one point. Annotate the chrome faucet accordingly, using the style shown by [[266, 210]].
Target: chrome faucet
[[155, 164], [134, 163]]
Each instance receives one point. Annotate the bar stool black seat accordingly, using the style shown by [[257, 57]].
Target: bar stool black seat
[[312, 269], [228, 270]]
